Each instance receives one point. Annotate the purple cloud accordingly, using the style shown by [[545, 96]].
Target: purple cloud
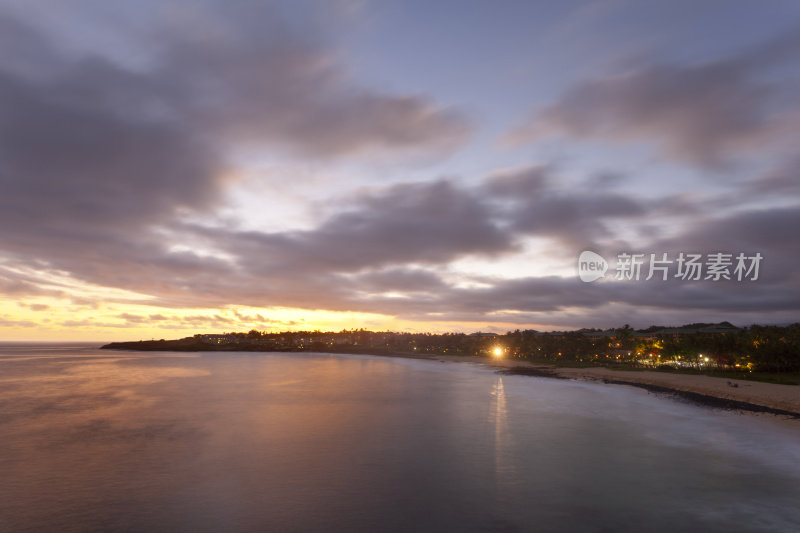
[[704, 114]]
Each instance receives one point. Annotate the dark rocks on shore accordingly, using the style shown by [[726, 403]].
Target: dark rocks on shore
[[532, 371], [705, 399]]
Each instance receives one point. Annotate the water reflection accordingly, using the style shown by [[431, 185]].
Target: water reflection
[[498, 416], [503, 462], [304, 442]]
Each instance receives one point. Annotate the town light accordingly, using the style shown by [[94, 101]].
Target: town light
[[497, 352]]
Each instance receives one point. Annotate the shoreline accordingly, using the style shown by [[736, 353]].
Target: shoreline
[[712, 391]]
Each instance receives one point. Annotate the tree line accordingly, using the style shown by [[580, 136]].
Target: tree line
[[761, 348]]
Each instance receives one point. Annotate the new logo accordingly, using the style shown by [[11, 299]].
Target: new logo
[[591, 266]]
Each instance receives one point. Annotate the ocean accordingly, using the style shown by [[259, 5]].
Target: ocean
[[95, 440]]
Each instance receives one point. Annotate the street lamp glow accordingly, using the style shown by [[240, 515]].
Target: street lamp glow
[[498, 352]]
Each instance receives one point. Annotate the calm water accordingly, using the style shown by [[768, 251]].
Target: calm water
[[117, 441]]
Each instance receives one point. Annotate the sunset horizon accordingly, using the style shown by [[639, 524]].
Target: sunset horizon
[[375, 266]]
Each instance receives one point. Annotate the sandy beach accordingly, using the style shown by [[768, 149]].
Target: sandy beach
[[768, 395]]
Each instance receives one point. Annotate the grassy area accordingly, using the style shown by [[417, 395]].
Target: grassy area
[[564, 364], [768, 377], [785, 378]]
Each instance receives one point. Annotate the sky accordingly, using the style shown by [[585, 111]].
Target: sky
[[172, 167]]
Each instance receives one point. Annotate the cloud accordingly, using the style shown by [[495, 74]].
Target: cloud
[[525, 182], [380, 236], [35, 307], [100, 159], [389, 249], [87, 143], [783, 180], [536, 204], [428, 222], [397, 279], [389, 253], [176, 321], [392, 236], [7, 322], [103, 164], [767, 231], [576, 219], [704, 114], [252, 79]]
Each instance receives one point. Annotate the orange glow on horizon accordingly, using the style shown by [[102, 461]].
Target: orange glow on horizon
[[52, 319], [85, 312]]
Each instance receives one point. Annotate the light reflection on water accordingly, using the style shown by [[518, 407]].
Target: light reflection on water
[[116, 441]]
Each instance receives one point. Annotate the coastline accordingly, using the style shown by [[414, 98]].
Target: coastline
[[733, 394], [740, 394], [719, 392]]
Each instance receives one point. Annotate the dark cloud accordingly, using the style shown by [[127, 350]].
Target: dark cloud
[[526, 182], [70, 165], [576, 219], [251, 78], [770, 232], [704, 114], [84, 172], [535, 203], [783, 180], [425, 223], [404, 280], [572, 303]]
